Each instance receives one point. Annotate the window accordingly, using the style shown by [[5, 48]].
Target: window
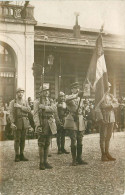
[[6, 58]]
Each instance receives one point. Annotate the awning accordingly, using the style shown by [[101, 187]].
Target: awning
[[7, 74]]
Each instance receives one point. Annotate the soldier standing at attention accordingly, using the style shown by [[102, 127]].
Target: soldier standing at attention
[[62, 110], [106, 118], [75, 123], [19, 110], [44, 110]]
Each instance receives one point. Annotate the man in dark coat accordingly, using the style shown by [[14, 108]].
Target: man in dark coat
[[62, 111]]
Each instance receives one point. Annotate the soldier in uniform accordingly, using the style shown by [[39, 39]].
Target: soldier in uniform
[[19, 110], [75, 123], [62, 110], [44, 111], [106, 117]]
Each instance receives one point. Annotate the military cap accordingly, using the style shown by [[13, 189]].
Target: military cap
[[74, 85], [109, 84], [43, 88], [61, 94], [19, 89]]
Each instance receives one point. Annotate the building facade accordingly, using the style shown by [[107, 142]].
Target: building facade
[[33, 53], [16, 50], [72, 51]]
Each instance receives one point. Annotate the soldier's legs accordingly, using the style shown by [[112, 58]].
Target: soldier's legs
[[107, 141], [73, 137], [63, 142], [59, 141], [17, 136], [79, 147], [46, 151], [103, 130], [41, 145], [62, 139], [22, 145]]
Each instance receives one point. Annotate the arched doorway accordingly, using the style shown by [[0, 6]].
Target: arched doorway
[[7, 73]]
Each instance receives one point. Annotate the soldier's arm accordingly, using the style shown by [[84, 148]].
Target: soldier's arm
[[36, 114], [71, 97], [115, 103], [51, 108], [11, 112], [26, 108]]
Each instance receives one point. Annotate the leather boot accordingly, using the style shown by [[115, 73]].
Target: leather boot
[[41, 166], [23, 158], [103, 157], [46, 164], [63, 150], [73, 152], [41, 155], [59, 145], [17, 158], [79, 156], [110, 158]]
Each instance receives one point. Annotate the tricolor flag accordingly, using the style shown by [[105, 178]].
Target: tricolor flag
[[97, 73]]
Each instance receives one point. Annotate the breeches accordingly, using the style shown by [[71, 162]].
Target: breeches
[[44, 140], [19, 135], [76, 138]]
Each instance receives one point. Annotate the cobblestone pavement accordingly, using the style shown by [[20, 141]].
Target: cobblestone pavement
[[96, 178]]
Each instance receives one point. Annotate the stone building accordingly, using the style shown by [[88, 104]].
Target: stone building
[[27, 49], [16, 50]]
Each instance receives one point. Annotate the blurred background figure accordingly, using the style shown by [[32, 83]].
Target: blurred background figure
[[62, 111]]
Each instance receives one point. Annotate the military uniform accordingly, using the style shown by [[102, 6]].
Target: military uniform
[[106, 117], [19, 117], [62, 111], [44, 112], [75, 124]]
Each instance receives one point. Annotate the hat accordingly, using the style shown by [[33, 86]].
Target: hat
[[109, 84], [19, 89], [61, 93], [74, 85], [43, 88]]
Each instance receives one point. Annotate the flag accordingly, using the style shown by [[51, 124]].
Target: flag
[[97, 75]]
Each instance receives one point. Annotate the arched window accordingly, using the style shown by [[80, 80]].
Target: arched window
[[7, 73], [6, 58]]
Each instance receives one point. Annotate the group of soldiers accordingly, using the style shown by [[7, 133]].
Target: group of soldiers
[[52, 118]]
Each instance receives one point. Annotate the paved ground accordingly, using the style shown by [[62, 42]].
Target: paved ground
[[96, 178]]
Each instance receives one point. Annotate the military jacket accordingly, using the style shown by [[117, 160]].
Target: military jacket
[[107, 109], [19, 116], [74, 120], [46, 118]]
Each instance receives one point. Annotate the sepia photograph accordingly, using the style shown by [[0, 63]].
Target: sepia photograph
[[62, 97]]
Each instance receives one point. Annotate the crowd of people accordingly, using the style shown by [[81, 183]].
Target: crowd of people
[[70, 115], [89, 115]]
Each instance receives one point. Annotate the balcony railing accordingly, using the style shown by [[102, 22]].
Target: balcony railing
[[16, 11]]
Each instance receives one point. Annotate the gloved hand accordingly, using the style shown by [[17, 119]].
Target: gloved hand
[[13, 126], [80, 94], [39, 130]]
